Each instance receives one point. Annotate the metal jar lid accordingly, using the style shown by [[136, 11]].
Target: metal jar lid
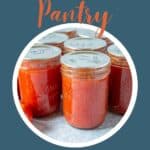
[[85, 59], [115, 51], [67, 30], [54, 38], [86, 33], [43, 53], [36, 45], [85, 43]]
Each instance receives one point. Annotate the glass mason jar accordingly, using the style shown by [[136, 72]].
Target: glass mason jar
[[40, 80], [80, 44], [85, 76], [120, 81], [55, 39]]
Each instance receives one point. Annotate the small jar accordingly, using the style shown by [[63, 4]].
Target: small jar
[[40, 80], [120, 81], [80, 44], [85, 77], [55, 39], [70, 32]]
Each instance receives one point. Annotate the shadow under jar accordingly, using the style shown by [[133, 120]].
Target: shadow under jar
[[85, 76], [40, 80], [120, 81], [81, 44], [55, 39]]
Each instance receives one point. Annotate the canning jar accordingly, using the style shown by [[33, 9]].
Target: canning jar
[[120, 81], [85, 76], [55, 39], [80, 44], [40, 80]]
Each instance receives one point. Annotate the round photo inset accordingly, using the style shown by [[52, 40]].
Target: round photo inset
[[73, 88]]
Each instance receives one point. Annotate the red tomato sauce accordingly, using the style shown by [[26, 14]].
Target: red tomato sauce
[[120, 89], [40, 89], [85, 101]]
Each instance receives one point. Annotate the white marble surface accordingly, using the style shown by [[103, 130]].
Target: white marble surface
[[56, 127]]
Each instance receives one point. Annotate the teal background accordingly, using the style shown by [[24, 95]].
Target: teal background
[[18, 25]]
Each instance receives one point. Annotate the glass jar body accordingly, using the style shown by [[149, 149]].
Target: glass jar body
[[40, 86], [120, 86], [85, 95]]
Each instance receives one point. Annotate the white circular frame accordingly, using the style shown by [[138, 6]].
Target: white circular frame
[[106, 135]]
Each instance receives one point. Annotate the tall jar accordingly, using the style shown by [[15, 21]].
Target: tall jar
[[55, 39], [120, 81], [85, 76], [40, 80], [80, 44]]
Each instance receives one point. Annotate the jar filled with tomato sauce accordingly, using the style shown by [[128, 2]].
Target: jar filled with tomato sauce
[[55, 39], [120, 81], [81, 44], [85, 76], [40, 80]]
